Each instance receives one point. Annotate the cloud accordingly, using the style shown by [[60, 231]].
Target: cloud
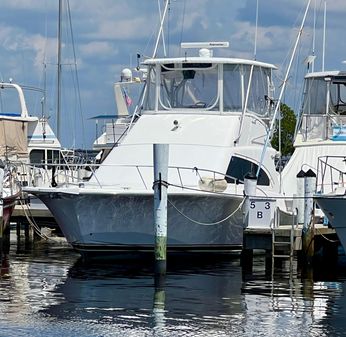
[[97, 49]]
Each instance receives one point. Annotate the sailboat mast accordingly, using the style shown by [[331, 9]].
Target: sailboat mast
[[58, 105]]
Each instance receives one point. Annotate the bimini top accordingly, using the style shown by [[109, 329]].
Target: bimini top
[[214, 60]]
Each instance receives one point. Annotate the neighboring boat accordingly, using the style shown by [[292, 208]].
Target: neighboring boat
[[30, 151], [11, 190], [214, 113], [115, 126], [331, 193], [320, 127]]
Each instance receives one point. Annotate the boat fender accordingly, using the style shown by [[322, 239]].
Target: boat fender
[[212, 185]]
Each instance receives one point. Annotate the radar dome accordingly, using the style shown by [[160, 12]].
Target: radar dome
[[126, 75]]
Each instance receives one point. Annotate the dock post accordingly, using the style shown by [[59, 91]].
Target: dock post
[[250, 185], [308, 227], [299, 202], [161, 154]]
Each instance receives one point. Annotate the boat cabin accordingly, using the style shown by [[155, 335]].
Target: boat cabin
[[212, 111], [323, 115]]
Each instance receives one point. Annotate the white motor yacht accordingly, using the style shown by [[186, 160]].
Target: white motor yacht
[[214, 114]]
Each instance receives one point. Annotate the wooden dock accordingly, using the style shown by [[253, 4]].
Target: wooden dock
[[285, 242], [261, 238]]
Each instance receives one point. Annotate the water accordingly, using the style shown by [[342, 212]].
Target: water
[[49, 291]]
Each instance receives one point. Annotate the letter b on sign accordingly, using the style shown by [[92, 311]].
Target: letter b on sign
[[261, 213]]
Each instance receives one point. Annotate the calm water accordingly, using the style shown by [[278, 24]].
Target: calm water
[[48, 291]]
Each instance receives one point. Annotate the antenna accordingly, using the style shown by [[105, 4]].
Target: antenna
[[324, 34], [138, 59], [256, 31], [314, 37]]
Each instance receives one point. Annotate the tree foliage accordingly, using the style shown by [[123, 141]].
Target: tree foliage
[[288, 123]]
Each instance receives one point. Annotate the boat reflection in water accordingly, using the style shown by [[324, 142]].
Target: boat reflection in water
[[49, 291]]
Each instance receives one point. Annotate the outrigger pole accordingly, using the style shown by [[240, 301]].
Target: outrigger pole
[[270, 131]]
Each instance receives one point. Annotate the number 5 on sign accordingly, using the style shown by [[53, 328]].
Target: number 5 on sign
[[261, 213]]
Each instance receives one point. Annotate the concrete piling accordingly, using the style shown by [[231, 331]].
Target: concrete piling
[[161, 154], [308, 226]]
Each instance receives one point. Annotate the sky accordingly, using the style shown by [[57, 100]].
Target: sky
[[100, 38]]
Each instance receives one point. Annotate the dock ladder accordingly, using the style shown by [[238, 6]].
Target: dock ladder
[[283, 240]]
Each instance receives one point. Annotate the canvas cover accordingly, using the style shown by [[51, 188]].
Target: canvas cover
[[13, 138]]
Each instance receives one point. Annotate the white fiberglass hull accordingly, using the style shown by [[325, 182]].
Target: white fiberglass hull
[[333, 206], [106, 223]]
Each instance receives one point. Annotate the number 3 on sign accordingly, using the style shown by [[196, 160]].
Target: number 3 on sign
[[267, 205]]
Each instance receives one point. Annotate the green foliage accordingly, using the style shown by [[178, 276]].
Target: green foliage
[[288, 123]]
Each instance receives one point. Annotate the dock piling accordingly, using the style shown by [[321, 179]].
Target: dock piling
[[161, 153], [308, 227]]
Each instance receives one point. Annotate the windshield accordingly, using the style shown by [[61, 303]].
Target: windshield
[[198, 86], [189, 86], [236, 81], [315, 96], [338, 96]]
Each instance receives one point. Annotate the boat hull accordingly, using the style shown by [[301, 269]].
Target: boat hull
[[103, 224], [9, 204], [334, 208]]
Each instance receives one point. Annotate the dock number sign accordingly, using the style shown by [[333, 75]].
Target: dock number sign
[[261, 213]]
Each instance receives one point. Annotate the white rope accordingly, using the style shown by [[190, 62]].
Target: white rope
[[33, 224], [203, 223]]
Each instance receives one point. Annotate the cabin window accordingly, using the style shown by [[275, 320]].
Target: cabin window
[[53, 157], [37, 158], [239, 167], [236, 79], [184, 86], [232, 81], [150, 90], [192, 86], [338, 95], [315, 96]]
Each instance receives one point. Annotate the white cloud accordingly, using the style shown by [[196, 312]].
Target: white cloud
[[97, 48]]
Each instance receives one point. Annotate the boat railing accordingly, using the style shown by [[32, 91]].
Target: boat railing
[[331, 173], [141, 176], [326, 126], [47, 175]]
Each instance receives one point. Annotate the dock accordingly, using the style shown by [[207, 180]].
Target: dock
[[32, 208], [286, 241]]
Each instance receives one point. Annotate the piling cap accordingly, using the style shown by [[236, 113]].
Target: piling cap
[[310, 174], [301, 174], [250, 175]]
